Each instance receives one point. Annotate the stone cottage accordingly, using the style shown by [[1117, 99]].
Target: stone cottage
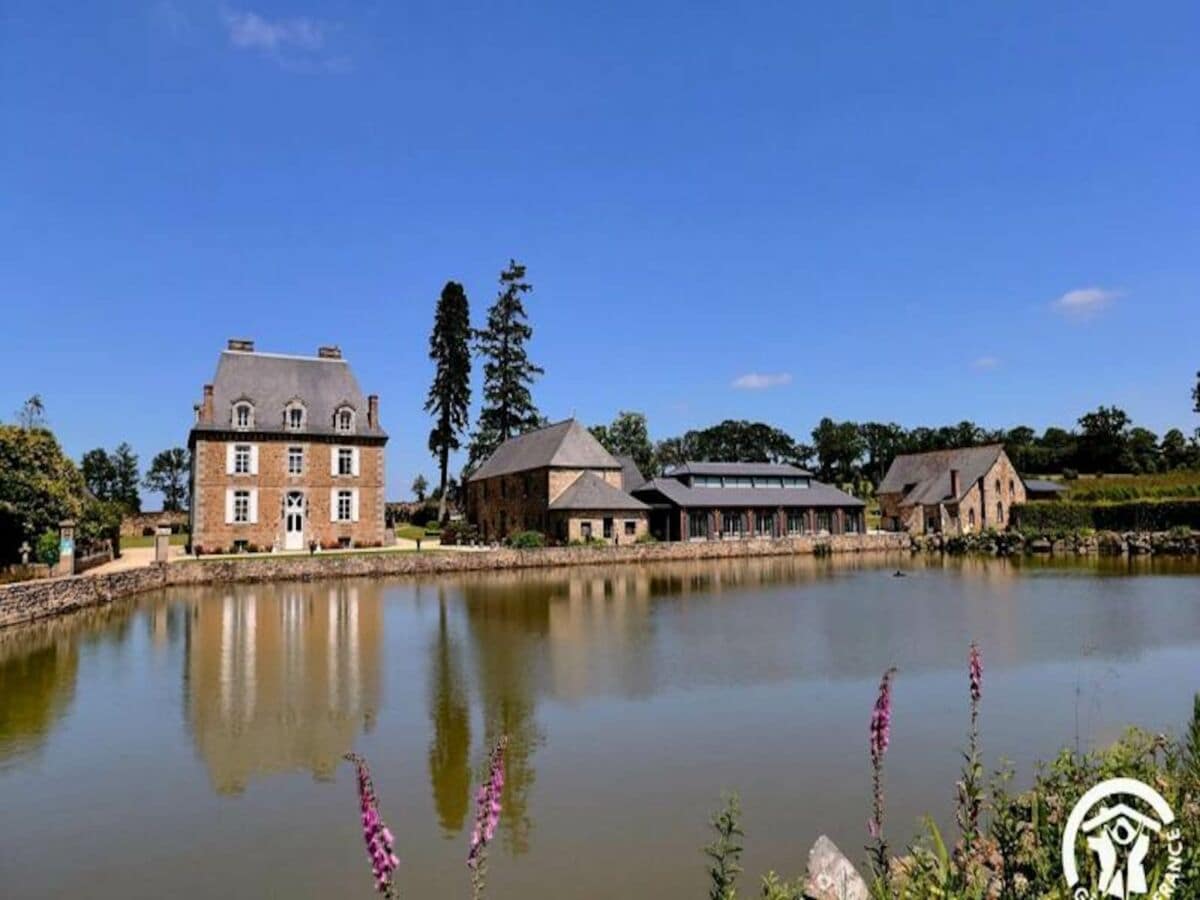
[[960, 491], [286, 451], [558, 480]]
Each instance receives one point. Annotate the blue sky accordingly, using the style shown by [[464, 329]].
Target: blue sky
[[910, 212]]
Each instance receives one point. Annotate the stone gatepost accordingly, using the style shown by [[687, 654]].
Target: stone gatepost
[[162, 542], [66, 548]]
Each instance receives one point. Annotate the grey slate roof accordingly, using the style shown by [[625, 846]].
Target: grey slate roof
[[590, 491], [747, 469], [678, 493], [1042, 486], [270, 381], [631, 475], [925, 477], [564, 445]]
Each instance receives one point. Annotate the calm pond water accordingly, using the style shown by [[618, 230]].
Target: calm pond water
[[188, 744]]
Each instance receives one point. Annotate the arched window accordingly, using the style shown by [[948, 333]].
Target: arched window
[[243, 415], [999, 512], [997, 487], [1012, 489], [971, 518], [343, 420], [294, 416]]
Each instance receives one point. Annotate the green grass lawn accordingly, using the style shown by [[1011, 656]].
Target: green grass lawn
[[177, 540], [415, 533], [1180, 484]]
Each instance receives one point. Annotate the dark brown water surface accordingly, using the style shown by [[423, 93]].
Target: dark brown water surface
[[189, 744]]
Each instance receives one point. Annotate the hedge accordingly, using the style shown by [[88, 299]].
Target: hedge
[[1139, 515]]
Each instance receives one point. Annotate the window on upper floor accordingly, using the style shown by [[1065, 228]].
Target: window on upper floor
[[344, 420], [295, 461], [293, 416], [997, 486], [241, 459], [243, 416], [241, 506], [345, 506], [1012, 488], [345, 461]]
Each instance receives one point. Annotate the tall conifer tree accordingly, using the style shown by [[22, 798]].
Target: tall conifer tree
[[508, 407], [450, 394]]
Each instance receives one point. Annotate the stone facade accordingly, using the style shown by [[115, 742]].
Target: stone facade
[[616, 526], [986, 503], [272, 485], [287, 453]]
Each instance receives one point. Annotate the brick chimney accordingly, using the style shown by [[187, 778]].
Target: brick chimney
[[373, 411], [205, 415], [241, 344], [329, 352], [954, 483]]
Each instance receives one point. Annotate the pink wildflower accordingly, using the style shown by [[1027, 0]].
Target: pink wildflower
[[376, 835], [487, 805], [976, 673]]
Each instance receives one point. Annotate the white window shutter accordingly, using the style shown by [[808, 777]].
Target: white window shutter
[[228, 506], [333, 456], [354, 464], [354, 505], [254, 459], [333, 504], [254, 506], [229, 451]]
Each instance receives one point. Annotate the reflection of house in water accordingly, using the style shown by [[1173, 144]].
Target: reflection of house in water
[[281, 678]]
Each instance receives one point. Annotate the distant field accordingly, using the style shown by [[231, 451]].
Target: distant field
[[1118, 488]]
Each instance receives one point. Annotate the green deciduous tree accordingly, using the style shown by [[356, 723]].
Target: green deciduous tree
[[39, 487], [99, 474], [449, 396], [839, 446], [169, 475], [420, 487], [32, 413], [508, 407], [125, 485], [628, 435], [1102, 439]]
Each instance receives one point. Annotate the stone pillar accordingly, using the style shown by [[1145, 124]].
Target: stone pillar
[[66, 548], [162, 542]]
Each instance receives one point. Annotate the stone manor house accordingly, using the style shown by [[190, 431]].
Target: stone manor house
[[287, 453]]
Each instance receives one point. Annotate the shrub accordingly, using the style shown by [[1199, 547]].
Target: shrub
[[1136, 515], [47, 548], [527, 540], [646, 538]]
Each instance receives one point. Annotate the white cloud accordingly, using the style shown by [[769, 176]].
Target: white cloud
[[1083, 303], [758, 381], [985, 363], [287, 41]]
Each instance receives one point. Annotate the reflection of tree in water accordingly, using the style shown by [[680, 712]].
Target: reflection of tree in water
[[508, 624], [39, 665], [450, 715]]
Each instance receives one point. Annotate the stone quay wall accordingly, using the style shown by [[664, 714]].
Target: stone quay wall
[[32, 600]]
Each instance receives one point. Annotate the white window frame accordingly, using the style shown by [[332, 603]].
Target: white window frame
[[344, 414], [348, 512], [235, 419], [241, 507], [287, 417], [242, 454], [295, 453], [349, 455]]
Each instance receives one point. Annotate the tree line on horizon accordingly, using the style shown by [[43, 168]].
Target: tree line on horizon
[[847, 453]]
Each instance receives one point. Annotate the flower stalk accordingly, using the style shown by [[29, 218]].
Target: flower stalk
[[881, 732], [376, 835], [487, 817]]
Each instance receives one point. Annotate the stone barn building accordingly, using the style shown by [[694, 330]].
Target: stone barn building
[[557, 480], [960, 491], [286, 451]]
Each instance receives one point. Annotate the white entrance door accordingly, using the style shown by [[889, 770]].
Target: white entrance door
[[293, 517]]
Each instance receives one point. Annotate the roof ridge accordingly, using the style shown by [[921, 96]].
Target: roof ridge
[[294, 356]]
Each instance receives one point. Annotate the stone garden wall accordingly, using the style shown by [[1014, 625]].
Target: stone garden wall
[[37, 599]]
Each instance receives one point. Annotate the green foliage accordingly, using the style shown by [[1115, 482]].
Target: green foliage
[[449, 397], [775, 888], [1142, 515], [1118, 488], [645, 538], [733, 440], [838, 446], [39, 487], [725, 852], [527, 540], [32, 413], [628, 435], [101, 520], [508, 407], [113, 476], [47, 548], [420, 487], [170, 475]]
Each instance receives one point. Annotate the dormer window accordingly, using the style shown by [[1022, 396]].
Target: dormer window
[[243, 416], [344, 420], [293, 416]]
